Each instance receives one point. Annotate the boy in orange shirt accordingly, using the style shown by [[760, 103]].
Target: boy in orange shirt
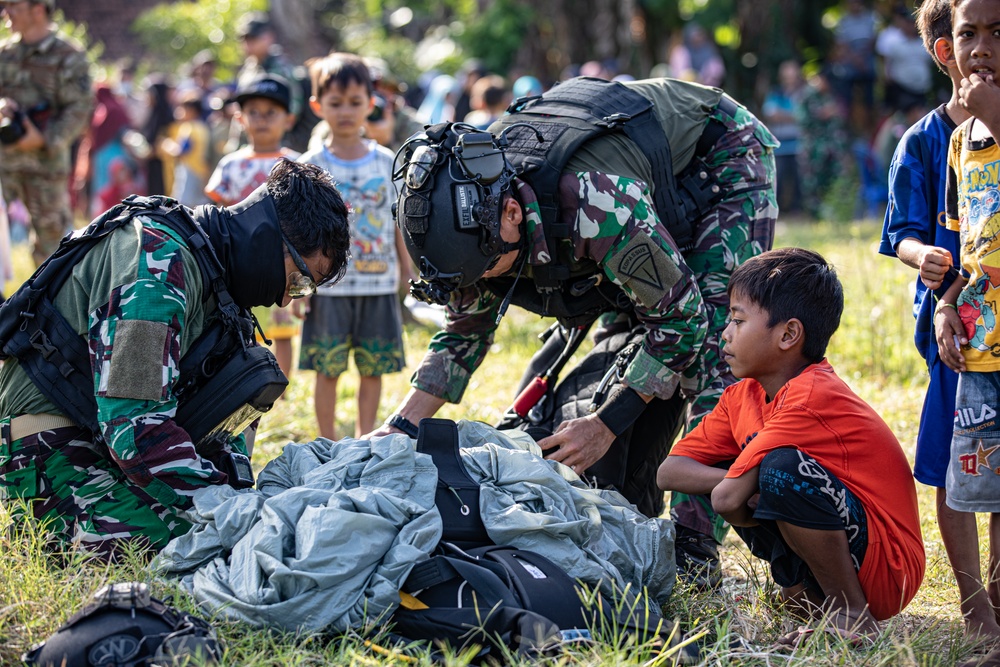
[[809, 475]]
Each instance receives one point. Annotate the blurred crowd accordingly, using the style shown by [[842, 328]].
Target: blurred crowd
[[166, 132]]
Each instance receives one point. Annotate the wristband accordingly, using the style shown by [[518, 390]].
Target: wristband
[[945, 304], [623, 407], [397, 420]]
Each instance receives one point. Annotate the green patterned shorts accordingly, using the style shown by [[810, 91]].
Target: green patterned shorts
[[369, 325]]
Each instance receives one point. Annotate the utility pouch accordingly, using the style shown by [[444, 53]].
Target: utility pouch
[[226, 393]]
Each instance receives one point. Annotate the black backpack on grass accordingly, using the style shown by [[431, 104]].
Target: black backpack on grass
[[504, 600]]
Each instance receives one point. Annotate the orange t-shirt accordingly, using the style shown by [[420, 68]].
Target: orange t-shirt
[[817, 413]]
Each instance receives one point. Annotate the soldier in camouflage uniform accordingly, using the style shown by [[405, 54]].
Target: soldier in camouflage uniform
[[48, 78], [140, 284], [680, 298]]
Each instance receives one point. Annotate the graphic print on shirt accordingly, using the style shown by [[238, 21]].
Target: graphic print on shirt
[[369, 243]]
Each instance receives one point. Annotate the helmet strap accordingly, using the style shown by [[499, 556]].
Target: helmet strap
[[510, 293]]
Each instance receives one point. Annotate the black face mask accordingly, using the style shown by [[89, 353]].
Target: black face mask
[[247, 241]]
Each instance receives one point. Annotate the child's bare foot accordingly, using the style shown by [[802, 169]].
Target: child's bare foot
[[985, 630], [801, 602], [991, 659]]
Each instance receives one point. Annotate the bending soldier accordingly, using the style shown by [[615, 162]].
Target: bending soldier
[[147, 301], [559, 210]]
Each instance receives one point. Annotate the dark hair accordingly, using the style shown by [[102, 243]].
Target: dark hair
[[933, 19], [794, 283], [311, 213], [341, 69]]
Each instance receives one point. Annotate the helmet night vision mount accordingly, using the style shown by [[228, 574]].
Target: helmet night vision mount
[[454, 177]]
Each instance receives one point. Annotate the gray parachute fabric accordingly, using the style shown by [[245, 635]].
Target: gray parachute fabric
[[334, 528]]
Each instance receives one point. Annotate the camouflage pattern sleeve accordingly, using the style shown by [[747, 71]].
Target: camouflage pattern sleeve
[[135, 346], [455, 353], [74, 101], [617, 227]]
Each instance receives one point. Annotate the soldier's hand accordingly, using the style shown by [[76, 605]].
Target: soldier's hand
[[33, 140], [580, 442]]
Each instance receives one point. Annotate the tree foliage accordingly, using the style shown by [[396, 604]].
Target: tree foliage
[[173, 33]]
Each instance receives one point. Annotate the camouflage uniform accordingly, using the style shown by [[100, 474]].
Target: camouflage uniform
[[53, 72], [683, 303], [822, 147], [137, 299]]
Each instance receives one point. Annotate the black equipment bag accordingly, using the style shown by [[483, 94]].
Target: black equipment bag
[[491, 596], [457, 495], [506, 599]]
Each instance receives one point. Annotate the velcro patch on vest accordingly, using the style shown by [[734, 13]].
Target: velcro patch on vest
[[646, 269], [136, 368]]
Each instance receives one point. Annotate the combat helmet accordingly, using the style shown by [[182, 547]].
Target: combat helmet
[[124, 626], [453, 180]]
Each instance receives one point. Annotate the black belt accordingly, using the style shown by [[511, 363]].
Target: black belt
[[714, 129]]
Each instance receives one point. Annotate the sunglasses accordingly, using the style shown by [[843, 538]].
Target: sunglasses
[[303, 283]]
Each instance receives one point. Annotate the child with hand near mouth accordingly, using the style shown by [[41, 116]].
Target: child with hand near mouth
[[973, 209]]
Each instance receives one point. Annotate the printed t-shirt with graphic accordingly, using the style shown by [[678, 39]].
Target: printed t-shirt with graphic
[[241, 172], [367, 188], [818, 414], [973, 209]]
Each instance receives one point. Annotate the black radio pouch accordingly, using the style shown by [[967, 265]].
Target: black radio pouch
[[241, 383], [457, 495]]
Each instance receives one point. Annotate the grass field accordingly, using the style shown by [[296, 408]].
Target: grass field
[[873, 351]]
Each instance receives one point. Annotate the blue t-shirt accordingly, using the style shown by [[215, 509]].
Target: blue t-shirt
[[917, 179]]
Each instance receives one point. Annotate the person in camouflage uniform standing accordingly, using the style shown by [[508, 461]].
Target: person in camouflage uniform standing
[[47, 79], [679, 298], [140, 300]]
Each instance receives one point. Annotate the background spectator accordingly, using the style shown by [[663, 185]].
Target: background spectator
[[824, 144], [265, 56], [489, 101], [158, 165], [439, 102], [907, 66], [472, 70], [527, 86], [201, 78], [189, 144], [852, 62], [696, 58], [103, 145], [781, 115]]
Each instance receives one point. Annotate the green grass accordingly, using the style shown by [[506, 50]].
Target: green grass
[[873, 351]]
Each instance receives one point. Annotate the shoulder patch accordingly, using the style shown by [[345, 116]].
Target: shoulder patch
[[137, 354], [646, 269]]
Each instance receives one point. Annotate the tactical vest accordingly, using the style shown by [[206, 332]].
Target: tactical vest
[[235, 378], [561, 120]]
